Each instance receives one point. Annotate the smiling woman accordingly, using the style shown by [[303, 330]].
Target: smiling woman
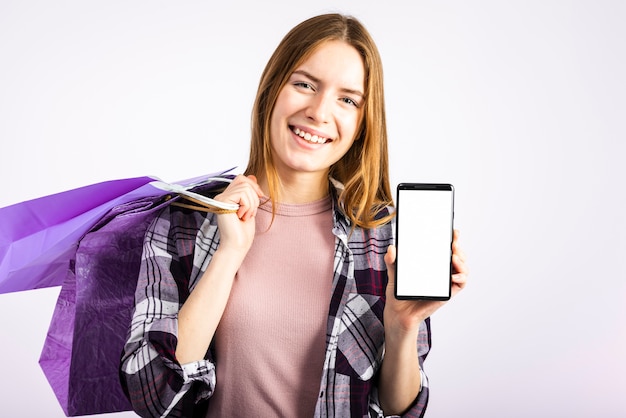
[[519, 104], [277, 310], [363, 170], [316, 118]]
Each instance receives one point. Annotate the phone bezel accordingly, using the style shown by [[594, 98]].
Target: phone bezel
[[423, 186]]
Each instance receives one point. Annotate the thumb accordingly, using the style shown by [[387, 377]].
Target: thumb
[[390, 258], [390, 261]]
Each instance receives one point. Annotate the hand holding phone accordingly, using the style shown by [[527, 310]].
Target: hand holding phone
[[424, 232]]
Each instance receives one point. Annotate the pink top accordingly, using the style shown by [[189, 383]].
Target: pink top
[[271, 341]]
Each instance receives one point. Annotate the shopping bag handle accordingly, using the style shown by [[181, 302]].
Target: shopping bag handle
[[206, 203]]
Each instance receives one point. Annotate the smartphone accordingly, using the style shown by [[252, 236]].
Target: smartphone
[[424, 229]]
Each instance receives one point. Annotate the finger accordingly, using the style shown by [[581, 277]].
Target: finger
[[243, 191], [458, 282], [456, 250], [250, 181], [459, 279], [459, 265], [255, 184], [461, 269], [249, 202], [390, 261], [390, 257]]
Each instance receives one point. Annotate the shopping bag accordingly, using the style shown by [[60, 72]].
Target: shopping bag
[[81, 353], [38, 237]]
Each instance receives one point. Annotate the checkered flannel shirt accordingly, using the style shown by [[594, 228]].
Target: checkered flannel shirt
[[177, 249]]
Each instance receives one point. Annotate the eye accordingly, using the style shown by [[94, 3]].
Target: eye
[[349, 101], [304, 85]]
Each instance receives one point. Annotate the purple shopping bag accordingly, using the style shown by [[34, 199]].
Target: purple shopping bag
[[88, 328], [81, 354], [38, 237]]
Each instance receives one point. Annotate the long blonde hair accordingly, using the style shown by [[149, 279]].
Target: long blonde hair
[[364, 169]]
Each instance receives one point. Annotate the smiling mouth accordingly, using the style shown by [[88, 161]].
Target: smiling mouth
[[314, 139]]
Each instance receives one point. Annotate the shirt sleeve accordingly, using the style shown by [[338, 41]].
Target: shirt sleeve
[[418, 407], [155, 383]]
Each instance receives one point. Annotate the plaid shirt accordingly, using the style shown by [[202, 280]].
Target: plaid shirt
[[178, 247]]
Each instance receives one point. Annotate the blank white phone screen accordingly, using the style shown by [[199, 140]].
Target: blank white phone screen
[[424, 243]]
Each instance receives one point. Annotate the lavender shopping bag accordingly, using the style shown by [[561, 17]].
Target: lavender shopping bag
[[38, 237], [82, 350], [81, 353]]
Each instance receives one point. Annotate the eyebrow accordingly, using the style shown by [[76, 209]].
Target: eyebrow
[[317, 80]]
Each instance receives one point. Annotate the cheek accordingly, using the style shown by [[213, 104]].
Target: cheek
[[352, 126], [283, 110], [276, 120], [273, 124]]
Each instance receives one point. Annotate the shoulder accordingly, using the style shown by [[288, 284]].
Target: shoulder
[[184, 217], [176, 226]]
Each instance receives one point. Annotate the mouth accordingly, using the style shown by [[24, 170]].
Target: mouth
[[309, 137]]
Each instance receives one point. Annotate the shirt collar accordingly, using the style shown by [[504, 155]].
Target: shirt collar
[[341, 222]]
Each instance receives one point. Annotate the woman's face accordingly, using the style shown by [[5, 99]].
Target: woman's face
[[318, 112]]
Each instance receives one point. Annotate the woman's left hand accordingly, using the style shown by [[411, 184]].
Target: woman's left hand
[[404, 316]]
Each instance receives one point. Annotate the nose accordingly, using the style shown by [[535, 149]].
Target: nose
[[319, 109]]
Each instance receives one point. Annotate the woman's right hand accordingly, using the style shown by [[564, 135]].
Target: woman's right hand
[[237, 229]]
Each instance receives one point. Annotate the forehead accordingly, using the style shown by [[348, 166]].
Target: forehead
[[337, 62]]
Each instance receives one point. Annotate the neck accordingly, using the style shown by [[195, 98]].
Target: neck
[[299, 188]]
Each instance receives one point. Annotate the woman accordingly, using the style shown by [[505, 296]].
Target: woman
[[278, 309]]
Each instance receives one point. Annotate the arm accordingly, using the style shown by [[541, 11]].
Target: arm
[[200, 315], [153, 380], [401, 374], [163, 358]]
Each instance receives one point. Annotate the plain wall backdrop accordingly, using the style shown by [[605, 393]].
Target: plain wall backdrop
[[520, 104]]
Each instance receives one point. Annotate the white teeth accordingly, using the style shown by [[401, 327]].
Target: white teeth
[[308, 137]]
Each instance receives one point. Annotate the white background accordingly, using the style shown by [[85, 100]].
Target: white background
[[520, 104]]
